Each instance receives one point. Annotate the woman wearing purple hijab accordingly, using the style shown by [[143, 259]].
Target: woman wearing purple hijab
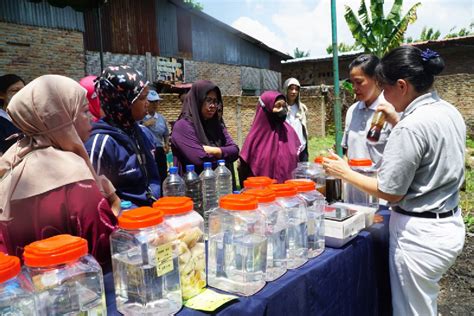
[[271, 147], [199, 135]]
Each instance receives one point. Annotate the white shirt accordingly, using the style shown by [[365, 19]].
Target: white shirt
[[297, 126]]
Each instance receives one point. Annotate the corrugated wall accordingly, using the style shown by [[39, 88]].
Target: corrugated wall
[[40, 14], [128, 27], [167, 29]]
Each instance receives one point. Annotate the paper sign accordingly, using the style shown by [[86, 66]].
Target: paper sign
[[209, 300], [164, 259]]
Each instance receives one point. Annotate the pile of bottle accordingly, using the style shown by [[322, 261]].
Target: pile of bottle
[[204, 189]]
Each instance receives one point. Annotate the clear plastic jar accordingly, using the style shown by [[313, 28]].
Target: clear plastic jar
[[16, 291], [237, 245], [145, 264], [295, 207], [66, 280], [260, 182], [276, 232], [352, 194], [320, 175], [189, 227], [316, 204]]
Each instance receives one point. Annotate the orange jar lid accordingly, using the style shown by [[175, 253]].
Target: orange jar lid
[[257, 182], [238, 202], [360, 162], [174, 205], [284, 189], [262, 195], [9, 267], [303, 185], [319, 159], [141, 217], [59, 249]]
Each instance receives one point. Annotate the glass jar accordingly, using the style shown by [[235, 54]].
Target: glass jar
[[295, 207], [66, 280], [189, 227], [145, 264], [352, 194], [276, 232], [16, 291], [261, 182], [316, 204], [237, 245]]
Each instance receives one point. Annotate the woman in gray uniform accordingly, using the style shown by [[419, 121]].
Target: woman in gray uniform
[[421, 173]]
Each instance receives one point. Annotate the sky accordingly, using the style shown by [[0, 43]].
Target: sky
[[287, 24]]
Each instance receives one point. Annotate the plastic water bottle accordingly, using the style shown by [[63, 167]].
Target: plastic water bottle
[[194, 188], [209, 192], [173, 184], [224, 179]]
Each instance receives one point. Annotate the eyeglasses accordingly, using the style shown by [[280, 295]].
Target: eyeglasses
[[208, 101]]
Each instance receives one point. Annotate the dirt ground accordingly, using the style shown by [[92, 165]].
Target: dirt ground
[[457, 286]]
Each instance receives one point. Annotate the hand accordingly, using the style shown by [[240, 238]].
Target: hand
[[150, 122], [108, 190], [214, 151], [391, 116], [336, 166]]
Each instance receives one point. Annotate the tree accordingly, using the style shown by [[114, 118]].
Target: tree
[[465, 31], [300, 53], [343, 47], [427, 34], [194, 4], [376, 33]]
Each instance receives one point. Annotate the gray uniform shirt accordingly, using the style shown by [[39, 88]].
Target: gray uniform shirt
[[358, 120], [424, 156]]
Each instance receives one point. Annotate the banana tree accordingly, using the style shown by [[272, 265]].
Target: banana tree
[[376, 33]]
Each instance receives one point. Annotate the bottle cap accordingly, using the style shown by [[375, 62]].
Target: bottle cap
[[284, 189], [257, 182], [238, 202], [59, 249], [360, 162], [141, 217], [262, 195], [125, 204], [302, 185], [189, 168], [173, 170], [9, 267], [174, 205], [319, 160], [221, 161], [207, 165]]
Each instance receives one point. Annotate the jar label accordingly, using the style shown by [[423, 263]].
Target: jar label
[[164, 259]]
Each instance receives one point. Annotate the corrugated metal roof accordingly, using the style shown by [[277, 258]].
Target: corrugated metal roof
[[41, 14]]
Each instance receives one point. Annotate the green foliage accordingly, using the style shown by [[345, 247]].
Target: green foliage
[[343, 47], [300, 53], [376, 33], [347, 85], [465, 31], [427, 34], [194, 4], [319, 145]]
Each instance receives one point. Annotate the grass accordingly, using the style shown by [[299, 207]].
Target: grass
[[319, 145]]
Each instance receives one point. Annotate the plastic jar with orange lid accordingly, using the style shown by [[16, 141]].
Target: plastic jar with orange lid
[[237, 245], [189, 227], [260, 182], [66, 279], [277, 232], [351, 193], [295, 208], [145, 264], [16, 291], [315, 203]]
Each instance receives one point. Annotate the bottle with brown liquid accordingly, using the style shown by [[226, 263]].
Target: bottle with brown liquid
[[376, 126]]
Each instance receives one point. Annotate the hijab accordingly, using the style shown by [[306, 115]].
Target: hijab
[[51, 154], [209, 132], [94, 104], [118, 87], [302, 108], [271, 147]]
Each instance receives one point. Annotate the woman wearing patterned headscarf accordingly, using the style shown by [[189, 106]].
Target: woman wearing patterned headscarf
[[48, 186], [119, 147], [199, 135]]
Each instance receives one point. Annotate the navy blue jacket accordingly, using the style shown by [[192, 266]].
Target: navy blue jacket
[[113, 153]]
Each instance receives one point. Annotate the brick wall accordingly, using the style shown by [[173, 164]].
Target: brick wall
[[31, 51], [227, 77], [239, 112]]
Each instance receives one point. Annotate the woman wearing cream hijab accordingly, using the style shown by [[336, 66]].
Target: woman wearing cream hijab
[[48, 185]]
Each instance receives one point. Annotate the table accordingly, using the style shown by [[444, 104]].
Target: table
[[352, 280]]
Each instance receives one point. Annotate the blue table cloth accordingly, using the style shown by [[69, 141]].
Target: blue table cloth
[[352, 280]]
